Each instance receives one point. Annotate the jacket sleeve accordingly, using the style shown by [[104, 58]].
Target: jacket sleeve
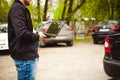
[[18, 20]]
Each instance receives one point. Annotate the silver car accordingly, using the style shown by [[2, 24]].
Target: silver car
[[65, 34]]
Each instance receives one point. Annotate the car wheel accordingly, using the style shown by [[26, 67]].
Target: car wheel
[[95, 41], [69, 43]]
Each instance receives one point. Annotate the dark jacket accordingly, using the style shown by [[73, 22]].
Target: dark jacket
[[20, 33]]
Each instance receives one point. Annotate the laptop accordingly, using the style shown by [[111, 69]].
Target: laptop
[[53, 30]]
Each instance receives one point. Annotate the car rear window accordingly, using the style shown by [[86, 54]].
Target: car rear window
[[108, 23], [113, 23], [103, 23]]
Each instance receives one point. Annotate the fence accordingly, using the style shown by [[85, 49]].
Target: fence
[[82, 28]]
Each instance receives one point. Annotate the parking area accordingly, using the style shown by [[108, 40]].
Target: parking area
[[82, 61]]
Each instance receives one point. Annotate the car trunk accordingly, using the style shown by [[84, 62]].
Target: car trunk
[[115, 46], [107, 29]]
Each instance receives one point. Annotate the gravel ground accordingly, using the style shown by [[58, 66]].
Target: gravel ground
[[82, 61]]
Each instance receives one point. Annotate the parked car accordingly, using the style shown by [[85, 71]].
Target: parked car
[[111, 60], [65, 35], [3, 37], [104, 28]]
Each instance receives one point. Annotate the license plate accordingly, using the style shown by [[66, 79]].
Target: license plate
[[104, 30]]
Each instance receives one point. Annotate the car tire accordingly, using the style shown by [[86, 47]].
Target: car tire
[[69, 43], [95, 41]]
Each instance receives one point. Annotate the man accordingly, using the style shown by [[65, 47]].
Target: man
[[22, 39]]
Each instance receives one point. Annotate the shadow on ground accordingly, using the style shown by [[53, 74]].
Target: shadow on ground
[[114, 79], [4, 52], [55, 45]]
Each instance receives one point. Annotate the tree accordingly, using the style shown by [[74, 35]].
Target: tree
[[117, 16], [64, 9], [101, 9], [58, 12], [72, 11], [4, 7], [38, 10], [45, 10]]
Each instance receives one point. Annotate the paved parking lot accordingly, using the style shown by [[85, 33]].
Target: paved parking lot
[[83, 61]]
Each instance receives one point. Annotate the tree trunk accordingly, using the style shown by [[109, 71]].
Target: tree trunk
[[112, 7], [38, 10], [71, 12], [64, 9], [78, 6], [118, 9], [45, 10]]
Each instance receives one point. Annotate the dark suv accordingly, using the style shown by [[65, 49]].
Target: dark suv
[[111, 60], [104, 28]]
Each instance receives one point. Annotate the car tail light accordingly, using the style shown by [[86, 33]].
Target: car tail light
[[95, 28], [115, 28], [44, 29], [69, 29], [107, 45]]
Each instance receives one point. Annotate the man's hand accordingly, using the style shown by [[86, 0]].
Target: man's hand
[[42, 36]]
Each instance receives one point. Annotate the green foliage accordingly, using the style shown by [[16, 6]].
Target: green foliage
[[84, 39], [33, 14], [101, 9], [58, 12], [4, 8], [33, 11]]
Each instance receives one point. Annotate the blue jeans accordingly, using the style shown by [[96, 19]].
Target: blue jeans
[[26, 69], [36, 45]]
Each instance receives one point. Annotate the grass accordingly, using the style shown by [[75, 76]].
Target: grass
[[84, 39]]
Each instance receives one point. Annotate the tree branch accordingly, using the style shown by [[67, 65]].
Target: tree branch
[[73, 11]]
